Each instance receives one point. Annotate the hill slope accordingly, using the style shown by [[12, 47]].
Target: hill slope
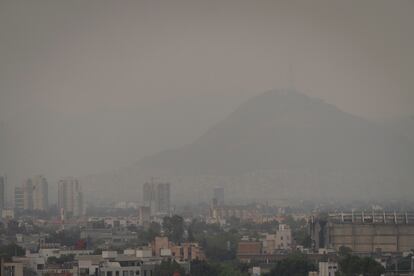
[[285, 144], [280, 129]]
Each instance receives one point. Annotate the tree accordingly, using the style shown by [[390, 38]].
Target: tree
[[353, 265], [295, 264], [229, 270], [344, 251], [153, 231], [203, 268], [10, 250], [168, 268], [220, 247], [174, 228], [65, 237], [370, 267]]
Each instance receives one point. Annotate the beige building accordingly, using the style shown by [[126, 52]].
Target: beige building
[[187, 251], [327, 268], [284, 237], [282, 240], [11, 269], [158, 244]]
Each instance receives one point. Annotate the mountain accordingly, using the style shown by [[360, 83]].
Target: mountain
[[403, 127], [283, 144], [285, 129]]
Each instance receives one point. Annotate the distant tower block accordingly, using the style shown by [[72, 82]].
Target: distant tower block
[[33, 195], [156, 196], [218, 197], [70, 197]]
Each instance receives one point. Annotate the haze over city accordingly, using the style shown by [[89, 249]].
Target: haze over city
[[88, 88], [204, 138]]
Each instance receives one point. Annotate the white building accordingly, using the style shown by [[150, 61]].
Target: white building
[[111, 265]]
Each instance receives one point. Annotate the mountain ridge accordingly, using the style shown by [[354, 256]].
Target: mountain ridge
[[281, 144], [284, 116]]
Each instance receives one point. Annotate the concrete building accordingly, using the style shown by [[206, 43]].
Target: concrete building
[[70, 197], [113, 264], [158, 244], [187, 251], [284, 237], [33, 195], [18, 198], [156, 196], [364, 232], [144, 216], [7, 214], [269, 243], [244, 213], [11, 269], [281, 240], [40, 193], [328, 268], [218, 197], [164, 198], [183, 252]]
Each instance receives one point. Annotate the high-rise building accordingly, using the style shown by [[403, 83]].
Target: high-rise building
[[149, 196], [40, 193], [218, 198], [2, 191], [164, 198], [70, 197], [156, 196], [19, 198], [28, 194], [33, 195]]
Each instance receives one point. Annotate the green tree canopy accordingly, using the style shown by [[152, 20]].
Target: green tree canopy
[[353, 265], [168, 268], [10, 250], [174, 228], [295, 264]]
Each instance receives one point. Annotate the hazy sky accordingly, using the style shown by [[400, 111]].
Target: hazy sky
[[78, 56], [180, 66]]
